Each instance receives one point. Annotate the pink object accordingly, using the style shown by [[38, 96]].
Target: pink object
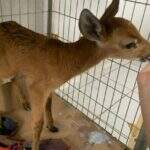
[[12, 147]]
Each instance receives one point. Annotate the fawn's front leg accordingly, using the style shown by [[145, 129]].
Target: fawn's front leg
[[37, 126], [37, 103], [48, 115]]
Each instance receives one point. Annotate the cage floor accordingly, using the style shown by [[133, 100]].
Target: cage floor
[[74, 127], [108, 97]]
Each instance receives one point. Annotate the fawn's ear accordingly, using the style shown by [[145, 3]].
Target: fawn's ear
[[89, 25], [110, 12]]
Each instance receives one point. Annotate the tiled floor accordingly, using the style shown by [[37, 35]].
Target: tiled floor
[[107, 94]]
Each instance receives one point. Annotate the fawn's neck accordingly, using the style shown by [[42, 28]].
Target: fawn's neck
[[74, 58]]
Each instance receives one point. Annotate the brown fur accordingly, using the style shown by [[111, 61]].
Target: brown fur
[[45, 63]]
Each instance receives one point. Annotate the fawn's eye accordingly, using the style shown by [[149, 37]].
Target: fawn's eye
[[130, 45]]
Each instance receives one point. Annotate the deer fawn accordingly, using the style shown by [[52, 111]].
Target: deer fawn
[[44, 64]]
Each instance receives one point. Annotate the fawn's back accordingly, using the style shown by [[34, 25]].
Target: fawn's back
[[31, 54], [52, 62]]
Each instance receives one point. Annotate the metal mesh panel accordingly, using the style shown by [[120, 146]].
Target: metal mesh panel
[[107, 93], [30, 13]]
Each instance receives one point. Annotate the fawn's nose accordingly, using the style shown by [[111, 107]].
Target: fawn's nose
[[146, 57]]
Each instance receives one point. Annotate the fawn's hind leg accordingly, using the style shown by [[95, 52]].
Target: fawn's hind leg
[[19, 86], [48, 115]]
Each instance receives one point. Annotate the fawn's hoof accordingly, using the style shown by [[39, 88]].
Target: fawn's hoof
[[53, 129], [27, 106]]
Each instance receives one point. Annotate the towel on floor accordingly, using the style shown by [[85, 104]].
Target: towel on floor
[[7, 126], [49, 145]]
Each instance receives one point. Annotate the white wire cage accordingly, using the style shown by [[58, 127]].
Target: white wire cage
[[107, 93]]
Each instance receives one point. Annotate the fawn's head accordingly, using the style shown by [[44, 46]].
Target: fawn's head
[[117, 36]]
